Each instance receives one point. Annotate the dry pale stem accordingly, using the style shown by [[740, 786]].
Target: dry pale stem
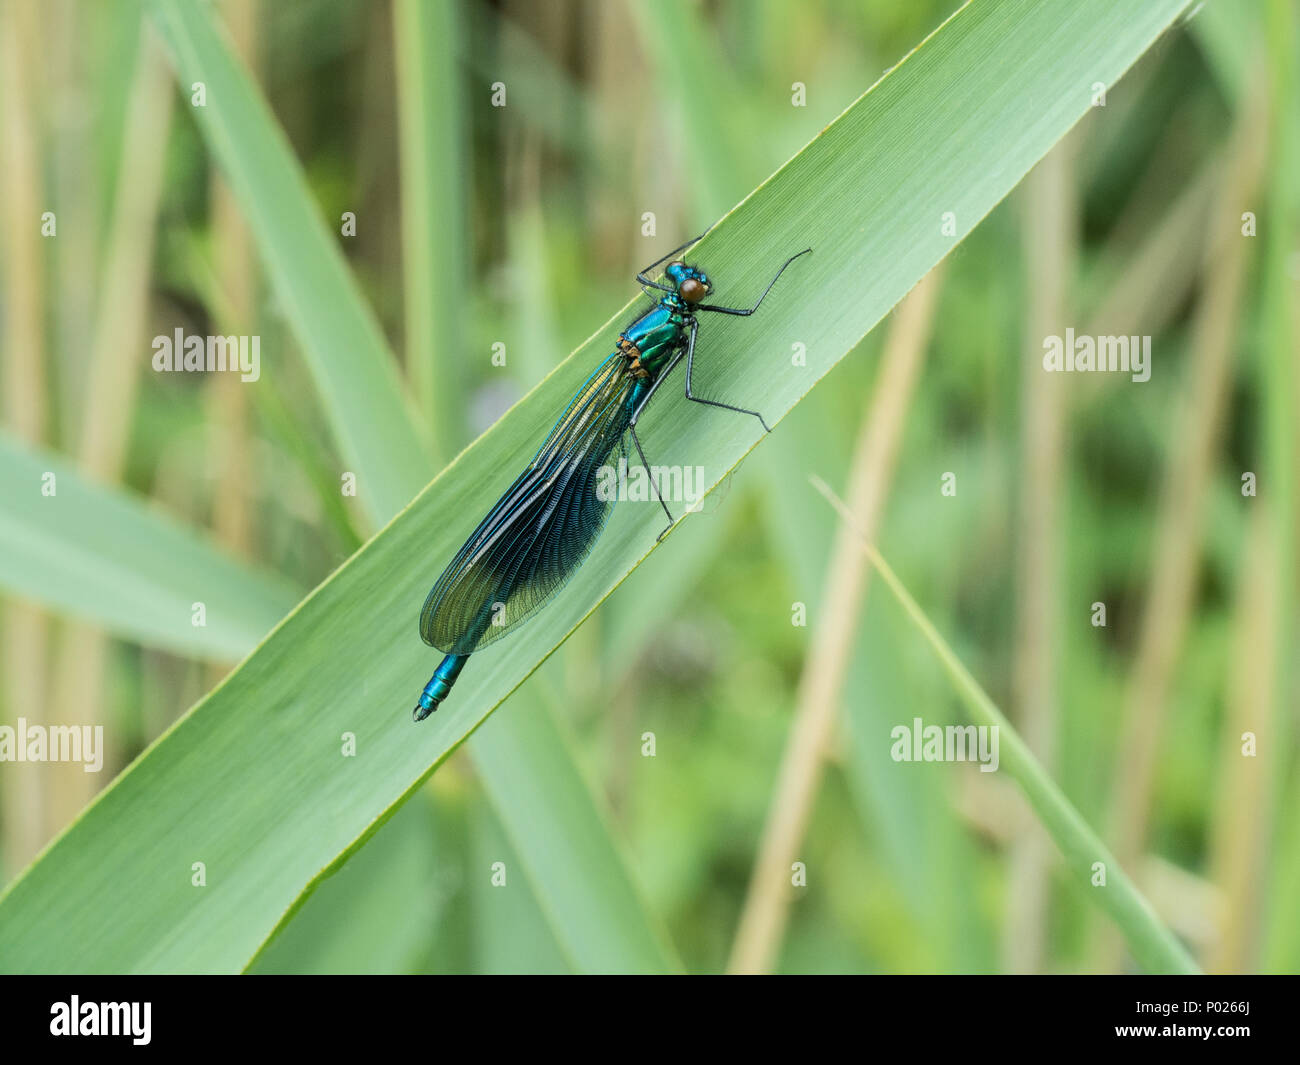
[[117, 359], [763, 919], [1052, 211], [26, 628], [1179, 519]]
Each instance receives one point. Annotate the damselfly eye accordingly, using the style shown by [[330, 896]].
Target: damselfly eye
[[692, 290]]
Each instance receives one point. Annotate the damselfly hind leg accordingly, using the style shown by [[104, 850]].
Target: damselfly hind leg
[[631, 425], [651, 474]]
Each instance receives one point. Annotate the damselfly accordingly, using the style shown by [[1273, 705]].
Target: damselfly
[[543, 527]]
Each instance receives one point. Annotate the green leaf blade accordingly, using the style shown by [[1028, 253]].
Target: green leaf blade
[[342, 340], [101, 555]]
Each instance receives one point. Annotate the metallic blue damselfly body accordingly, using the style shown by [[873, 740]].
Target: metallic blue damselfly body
[[543, 527]]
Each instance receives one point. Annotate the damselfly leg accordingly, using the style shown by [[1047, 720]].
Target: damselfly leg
[[690, 361], [744, 312], [644, 280]]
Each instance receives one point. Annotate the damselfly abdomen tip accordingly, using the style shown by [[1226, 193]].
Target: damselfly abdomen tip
[[439, 686]]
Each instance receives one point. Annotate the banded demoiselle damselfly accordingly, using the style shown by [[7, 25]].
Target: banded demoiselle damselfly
[[544, 526]]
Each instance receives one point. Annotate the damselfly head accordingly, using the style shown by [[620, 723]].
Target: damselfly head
[[692, 284]]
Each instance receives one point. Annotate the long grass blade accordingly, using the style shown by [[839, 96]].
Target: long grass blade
[[1086, 857]]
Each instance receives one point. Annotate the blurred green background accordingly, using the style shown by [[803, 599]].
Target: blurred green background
[[1072, 490]]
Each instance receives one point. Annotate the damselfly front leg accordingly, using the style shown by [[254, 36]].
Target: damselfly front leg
[[745, 312], [643, 278]]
